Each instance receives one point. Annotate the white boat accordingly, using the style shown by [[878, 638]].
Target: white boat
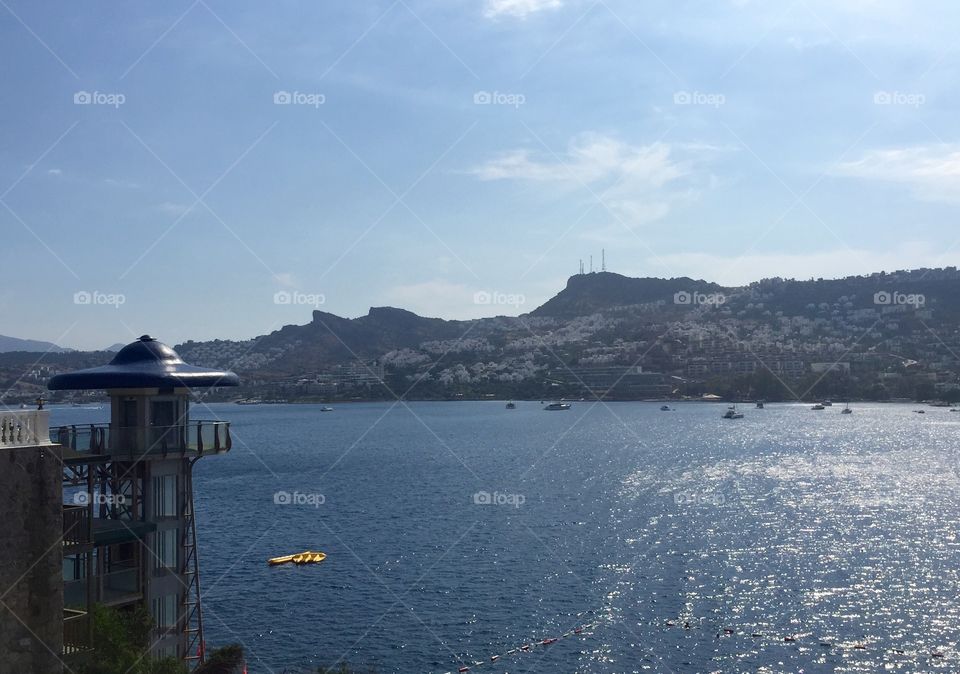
[[326, 409], [554, 407], [732, 413], [827, 403], [818, 406]]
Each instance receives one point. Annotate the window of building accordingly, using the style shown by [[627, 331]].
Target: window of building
[[165, 496], [165, 611], [168, 544]]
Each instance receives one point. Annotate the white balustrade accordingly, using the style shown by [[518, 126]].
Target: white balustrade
[[24, 428]]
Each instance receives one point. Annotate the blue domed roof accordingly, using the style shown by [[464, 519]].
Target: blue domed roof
[[146, 363]]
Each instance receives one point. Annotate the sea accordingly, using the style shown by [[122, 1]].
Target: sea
[[609, 538]]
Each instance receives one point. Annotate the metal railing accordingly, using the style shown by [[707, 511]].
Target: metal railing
[[24, 428], [76, 525], [76, 631], [197, 436]]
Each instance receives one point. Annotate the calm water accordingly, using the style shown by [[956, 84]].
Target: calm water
[[786, 524]]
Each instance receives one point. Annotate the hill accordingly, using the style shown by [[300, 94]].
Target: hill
[[8, 344]]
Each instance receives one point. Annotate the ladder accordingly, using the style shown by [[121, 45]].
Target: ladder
[[190, 572]]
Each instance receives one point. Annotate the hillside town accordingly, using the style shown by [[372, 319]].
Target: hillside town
[[775, 340]]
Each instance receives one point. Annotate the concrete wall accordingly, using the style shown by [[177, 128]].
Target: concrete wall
[[31, 560]]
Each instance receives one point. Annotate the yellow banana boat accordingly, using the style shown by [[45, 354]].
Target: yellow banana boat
[[307, 557]]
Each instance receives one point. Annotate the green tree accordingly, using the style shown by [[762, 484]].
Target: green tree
[[120, 640]]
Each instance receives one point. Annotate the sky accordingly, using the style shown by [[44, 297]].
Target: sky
[[200, 169]]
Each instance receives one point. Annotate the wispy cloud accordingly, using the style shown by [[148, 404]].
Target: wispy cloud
[[931, 172], [736, 270], [637, 182], [519, 8], [286, 279], [55, 172]]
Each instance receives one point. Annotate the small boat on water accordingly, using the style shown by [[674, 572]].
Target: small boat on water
[[846, 410], [511, 405], [326, 409], [732, 413], [666, 408], [818, 407], [307, 557], [555, 407], [760, 404], [827, 403]]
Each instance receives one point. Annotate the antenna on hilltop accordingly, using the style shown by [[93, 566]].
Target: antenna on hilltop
[[603, 259], [591, 264]]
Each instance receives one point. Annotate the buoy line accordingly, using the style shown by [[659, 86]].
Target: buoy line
[[805, 638], [800, 638], [532, 645]]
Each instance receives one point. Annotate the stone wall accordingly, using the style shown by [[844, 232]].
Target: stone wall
[[31, 560]]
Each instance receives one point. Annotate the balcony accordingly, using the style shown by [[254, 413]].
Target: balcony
[[197, 437], [24, 428], [120, 586]]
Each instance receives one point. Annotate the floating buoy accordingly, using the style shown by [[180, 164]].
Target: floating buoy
[[307, 557]]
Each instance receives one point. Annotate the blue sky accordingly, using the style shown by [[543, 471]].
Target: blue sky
[[179, 164]]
